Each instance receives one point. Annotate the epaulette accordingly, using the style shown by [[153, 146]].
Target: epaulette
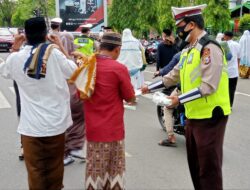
[[205, 40]]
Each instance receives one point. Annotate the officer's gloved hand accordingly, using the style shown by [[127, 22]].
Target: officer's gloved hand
[[143, 67]]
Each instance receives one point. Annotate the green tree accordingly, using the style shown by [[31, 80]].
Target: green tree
[[123, 14], [7, 9], [143, 15], [245, 22], [217, 15], [164, 13], [147, 16], [25, 10]]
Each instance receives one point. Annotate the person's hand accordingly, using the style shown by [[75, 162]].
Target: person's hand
[[175, 101], [156, 74], [19, 39], [144, 89], [79, 57], [54, 39], [77, 54], [143, 67]]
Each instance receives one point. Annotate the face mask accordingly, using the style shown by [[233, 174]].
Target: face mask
[[181, 33]]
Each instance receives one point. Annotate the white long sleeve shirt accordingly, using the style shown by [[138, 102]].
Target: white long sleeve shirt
[[45, 103], [234, 47]]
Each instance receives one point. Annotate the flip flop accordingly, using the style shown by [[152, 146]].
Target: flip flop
[[166, 142], [21, 157]]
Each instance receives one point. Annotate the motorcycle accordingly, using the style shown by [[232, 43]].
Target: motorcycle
[[151, 52], [178, 115]]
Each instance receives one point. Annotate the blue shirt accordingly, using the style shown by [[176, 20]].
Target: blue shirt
[[165, 70]]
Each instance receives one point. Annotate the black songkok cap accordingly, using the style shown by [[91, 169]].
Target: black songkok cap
[[35, 25], [229, 34], [112, 38]]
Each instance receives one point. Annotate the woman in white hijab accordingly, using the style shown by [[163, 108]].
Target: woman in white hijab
[[245, 55], [131, 56]]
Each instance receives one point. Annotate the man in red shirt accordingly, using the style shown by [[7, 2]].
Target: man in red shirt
[[104, 121]]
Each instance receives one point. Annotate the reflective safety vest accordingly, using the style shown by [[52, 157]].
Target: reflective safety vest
[[190, 76], [86, 45]]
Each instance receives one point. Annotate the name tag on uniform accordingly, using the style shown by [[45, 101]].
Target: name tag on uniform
[[190, 58], [182, 62], [83, 40]]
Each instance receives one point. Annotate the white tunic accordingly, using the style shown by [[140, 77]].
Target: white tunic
[[45, 103], [234, 47]]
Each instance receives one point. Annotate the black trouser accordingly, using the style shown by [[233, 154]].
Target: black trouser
[[18, 102], [232, 88], [204, 142]]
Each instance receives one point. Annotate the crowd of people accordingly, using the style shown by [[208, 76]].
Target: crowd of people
[[65, 85]]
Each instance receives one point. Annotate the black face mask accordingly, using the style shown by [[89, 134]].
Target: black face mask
[[181, 33]]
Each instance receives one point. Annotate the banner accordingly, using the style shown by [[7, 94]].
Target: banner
[[78, 12]]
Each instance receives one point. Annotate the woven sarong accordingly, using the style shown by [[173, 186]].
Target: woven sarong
[[244, 71], [105, 165]]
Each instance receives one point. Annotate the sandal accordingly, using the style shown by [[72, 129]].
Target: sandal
[[21, 157], [166, 142]]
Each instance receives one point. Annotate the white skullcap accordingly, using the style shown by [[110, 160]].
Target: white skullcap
[[56, 20]]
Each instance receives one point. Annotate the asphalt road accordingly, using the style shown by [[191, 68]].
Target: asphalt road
[[149, 166]]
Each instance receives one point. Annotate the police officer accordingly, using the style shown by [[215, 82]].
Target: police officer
[[205, 95], [66, 38], [55, 26], [84, 43]]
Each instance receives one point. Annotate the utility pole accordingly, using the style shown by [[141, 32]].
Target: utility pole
[[46, 12], [241, 7]]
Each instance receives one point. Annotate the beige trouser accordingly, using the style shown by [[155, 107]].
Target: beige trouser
[[168, 116]]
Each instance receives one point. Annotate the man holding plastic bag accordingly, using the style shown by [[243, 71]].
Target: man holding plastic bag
[[205, 95]]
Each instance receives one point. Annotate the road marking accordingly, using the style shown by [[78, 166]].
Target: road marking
[[147, 82], [3, 102], [12, 89], [128, 155], [243, 94], [149, 72]]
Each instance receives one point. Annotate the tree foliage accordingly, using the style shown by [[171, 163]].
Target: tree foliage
[[245, 22], [7, 8], [142, 15], [123, 14], [217, 15], [25, 10]]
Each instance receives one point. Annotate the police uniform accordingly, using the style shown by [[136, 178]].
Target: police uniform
[[202, 71], [84, 43]]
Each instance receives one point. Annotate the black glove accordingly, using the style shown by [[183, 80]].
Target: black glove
[[143, 67]]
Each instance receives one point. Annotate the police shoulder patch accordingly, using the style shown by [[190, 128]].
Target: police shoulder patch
[[205, 58]]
